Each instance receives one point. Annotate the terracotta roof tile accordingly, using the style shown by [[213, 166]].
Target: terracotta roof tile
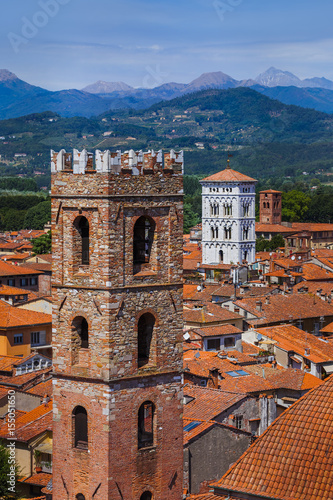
[[26, 380], [209, 361], [208, 403], [11, 316], [293, 458], [228, 175], [30, 424], [313, 272], [281, 308], [291, 338], [41, 388], [213, 331], [273, 228], [285, 378], [207, 314], [12, 270], [41, 479]]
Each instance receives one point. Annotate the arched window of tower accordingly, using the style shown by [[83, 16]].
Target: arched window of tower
[[80, 431], [79, 496], [81, 241], [146, 424], [145, 334], [146, 496], [80, 337], [143, 242]]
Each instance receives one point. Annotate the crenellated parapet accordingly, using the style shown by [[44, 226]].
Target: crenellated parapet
[[129, 162]]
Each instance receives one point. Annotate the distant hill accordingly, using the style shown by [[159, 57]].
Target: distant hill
[[101, 87], [18, 98], [268, 139], [236, 116], [317, 98], [277, 78]]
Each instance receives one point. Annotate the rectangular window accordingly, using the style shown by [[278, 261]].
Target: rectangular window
[[229, 342], [239, 421], [33, 281], [24, 282], [34, 338], [11, 282], [213, 344], [18, 338]]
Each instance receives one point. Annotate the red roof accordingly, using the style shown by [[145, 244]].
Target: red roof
[[11, 316], [208, 403], [12, 270], [293, 458], [228, 175]]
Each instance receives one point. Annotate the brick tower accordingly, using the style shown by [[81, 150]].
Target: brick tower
[[270, 206], [117, 325]]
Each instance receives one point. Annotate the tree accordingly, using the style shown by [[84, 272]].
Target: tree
[[263, 245], [9, 474], [190, 218], [37, 216], [43, 244], [295, 204]]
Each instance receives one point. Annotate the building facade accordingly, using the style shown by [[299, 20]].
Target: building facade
[[228, 218], [117, 325]]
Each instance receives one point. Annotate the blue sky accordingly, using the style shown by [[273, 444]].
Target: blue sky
[[60, 44]]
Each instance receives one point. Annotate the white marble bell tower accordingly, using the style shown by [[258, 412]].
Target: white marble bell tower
[[228, 218]]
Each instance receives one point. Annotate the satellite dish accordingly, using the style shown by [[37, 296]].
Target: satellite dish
[[197, 355], [293, 257], [199, 288], [186, 336], [259, 336], [299, 257]]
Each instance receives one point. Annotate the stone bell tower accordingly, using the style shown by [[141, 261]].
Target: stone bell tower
[[117, 226]]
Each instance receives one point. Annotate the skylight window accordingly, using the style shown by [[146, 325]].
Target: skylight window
[[237, 373], [190, 426]]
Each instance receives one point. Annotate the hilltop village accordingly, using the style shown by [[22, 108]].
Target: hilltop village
[[216, 362]]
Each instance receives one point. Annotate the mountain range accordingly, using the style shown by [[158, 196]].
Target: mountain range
[[18, 98]]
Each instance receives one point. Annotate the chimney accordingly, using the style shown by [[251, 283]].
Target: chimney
[[259, 305], [214, 376], [307, 351], [267, 300]]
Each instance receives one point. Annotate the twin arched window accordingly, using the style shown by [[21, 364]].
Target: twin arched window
[[80, 424]]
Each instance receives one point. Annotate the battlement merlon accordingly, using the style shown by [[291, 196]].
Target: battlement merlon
[[129, 162]]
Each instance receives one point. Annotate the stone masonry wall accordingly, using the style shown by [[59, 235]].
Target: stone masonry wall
[[105, 377]]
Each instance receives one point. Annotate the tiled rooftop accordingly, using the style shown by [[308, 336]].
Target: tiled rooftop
[[41, 479], [213, 331], [208, 403], [11, 316], [208, 313], [293, 458], [228, 175], [30, 424], [13, 270], [291, 338], [285, 307], [314, 272]]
